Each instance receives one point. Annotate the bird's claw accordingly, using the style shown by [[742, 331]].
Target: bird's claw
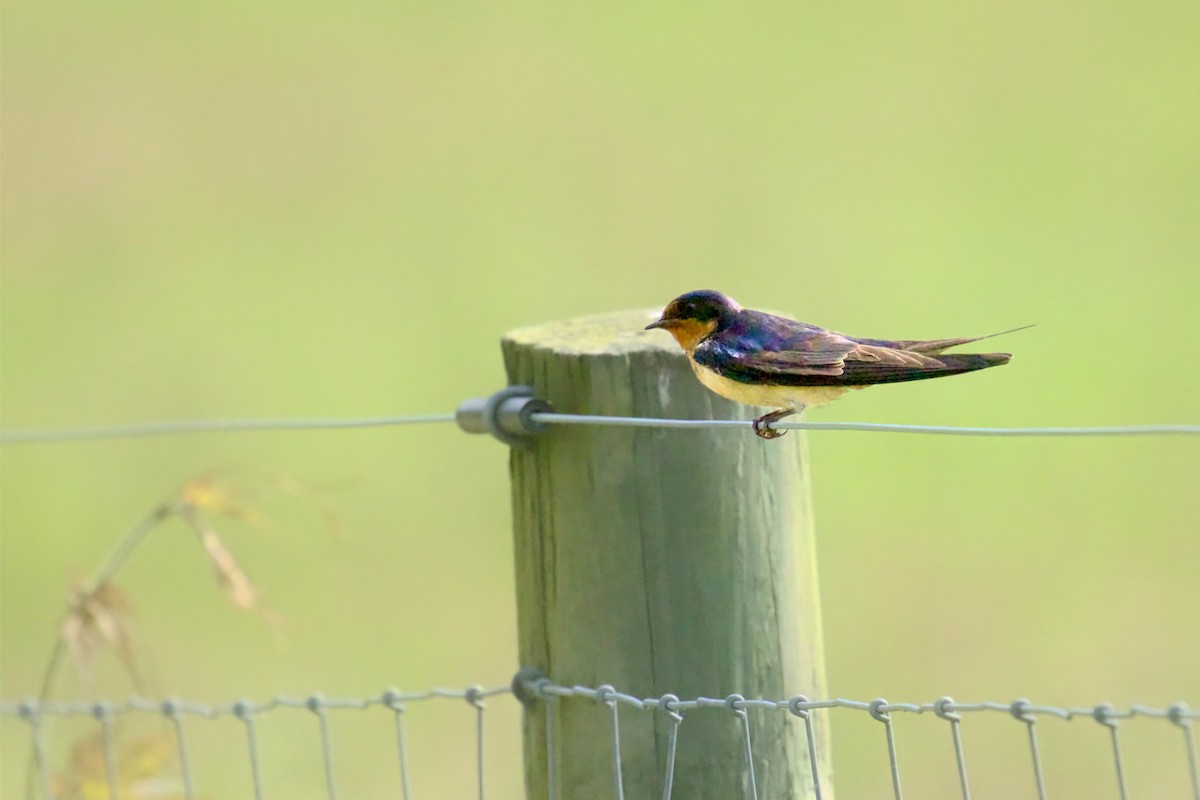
[[762, 427]]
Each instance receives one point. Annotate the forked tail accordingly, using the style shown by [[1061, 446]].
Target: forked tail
[[936, 346]]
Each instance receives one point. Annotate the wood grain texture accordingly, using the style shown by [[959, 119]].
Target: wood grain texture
[[660, 561]]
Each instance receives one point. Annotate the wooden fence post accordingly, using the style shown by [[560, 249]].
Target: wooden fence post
[[660, 561]]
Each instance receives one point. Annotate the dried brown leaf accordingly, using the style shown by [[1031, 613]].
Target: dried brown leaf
[[230, 575], [98, 617]]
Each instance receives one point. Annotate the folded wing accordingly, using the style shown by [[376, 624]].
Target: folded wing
[[771, 350]]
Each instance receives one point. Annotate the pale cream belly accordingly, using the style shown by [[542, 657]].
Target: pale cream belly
[[751, 394]]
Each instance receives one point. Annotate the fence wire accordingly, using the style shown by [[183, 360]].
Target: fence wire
[[176, 711], [535, 417], [610, 701]]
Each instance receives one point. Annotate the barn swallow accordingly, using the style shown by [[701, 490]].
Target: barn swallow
[[760, 359]]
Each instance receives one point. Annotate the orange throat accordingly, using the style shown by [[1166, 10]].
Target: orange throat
[[689, 332]]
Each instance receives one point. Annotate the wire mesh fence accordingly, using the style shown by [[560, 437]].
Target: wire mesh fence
[[608, 701], [522, 417]]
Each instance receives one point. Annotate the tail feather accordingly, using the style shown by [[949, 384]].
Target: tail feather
[[936, 346], [967, 362], [860, 373]]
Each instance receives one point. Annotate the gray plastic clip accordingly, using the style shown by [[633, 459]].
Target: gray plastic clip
[[507, 415], [527, 685]]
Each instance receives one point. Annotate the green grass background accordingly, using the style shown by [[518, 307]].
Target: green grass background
[[234, 210]]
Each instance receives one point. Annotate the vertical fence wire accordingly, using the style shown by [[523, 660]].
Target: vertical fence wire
[[103, 713], [731, 703], [474, 696], [1104, 715], [942, 708], [550, 703], [243, 711], [391, 699], [1036, 751], [1178, 714], [30, 711], [315, 705], [1116, 746], [811, 735], [874, 710], [603, 694], [170, 709], [1020, 710], [1195, 768], [675, 719]]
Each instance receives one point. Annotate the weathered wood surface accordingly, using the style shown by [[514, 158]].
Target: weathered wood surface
[[660, 561]]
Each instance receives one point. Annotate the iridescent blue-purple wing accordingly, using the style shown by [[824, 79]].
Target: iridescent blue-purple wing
[[762, 348]]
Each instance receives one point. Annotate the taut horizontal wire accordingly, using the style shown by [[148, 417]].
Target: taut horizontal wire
[[133, 430], [138, 430], [876, 427]]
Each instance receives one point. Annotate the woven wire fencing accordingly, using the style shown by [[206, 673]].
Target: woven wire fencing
[[603, 700], [108, 767]]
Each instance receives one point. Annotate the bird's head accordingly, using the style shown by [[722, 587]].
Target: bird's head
[[693, 316]]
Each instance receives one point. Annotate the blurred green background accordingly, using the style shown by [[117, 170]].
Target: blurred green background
[[258, 210]]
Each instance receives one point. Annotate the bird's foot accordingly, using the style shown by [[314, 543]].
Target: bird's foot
[[762, 425]]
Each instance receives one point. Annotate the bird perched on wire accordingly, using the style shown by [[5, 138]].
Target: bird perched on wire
[[763, 360]]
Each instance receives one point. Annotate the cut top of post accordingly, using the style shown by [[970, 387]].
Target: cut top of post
[[617, 333]]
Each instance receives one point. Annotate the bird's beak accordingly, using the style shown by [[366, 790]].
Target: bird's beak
[[658, 323]]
